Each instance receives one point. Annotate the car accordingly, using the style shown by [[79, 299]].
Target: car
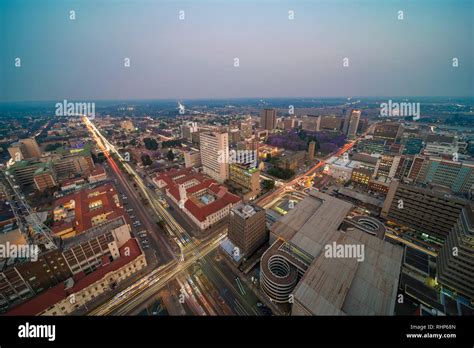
[[132, 216]]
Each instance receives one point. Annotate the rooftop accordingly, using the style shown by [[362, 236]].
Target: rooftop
[[344, 286], [84, 209], [313, 223], [197, 185], [338, 285], [245, 210], [79, 282]]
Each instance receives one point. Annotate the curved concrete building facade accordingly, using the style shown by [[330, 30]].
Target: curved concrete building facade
[[280, 272], [369, 225]]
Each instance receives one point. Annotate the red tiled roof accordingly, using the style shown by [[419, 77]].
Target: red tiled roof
[[98, 170], [198, 176], [84, 215], [223, 197], [57, 293], [169, 176], [205, 184], [173, 178], [174, 191]]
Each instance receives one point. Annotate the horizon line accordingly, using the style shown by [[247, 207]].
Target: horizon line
[[233, 98]]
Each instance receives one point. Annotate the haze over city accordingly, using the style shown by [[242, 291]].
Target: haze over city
[[83, 59], [167, 161]]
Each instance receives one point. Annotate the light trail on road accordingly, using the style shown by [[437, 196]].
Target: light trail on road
[[182, 238], [149, 285], [264, 200]]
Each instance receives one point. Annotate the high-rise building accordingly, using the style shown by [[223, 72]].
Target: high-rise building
[[246, 129], [247, 228], [249, 144], [15, 151], [363, 125], [234, 136], [455, 263], [429, 216], [331, 122], [192, 158], [24, 149], [24, 171], [214, 147], [387, 166], [361, 176], [246, 178], [347, 119], [72, 164], [311, 123], [388, 130], [417, 168], [457, 176], [187, 129], [353, 123], [439, 225], [311, 150], [268, 119], [404, 166], [289, 123], [31, 148]]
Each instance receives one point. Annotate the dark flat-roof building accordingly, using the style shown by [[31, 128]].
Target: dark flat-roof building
[[268, 119], [298, 266], [455, 263], [247, 227], [429, 215]]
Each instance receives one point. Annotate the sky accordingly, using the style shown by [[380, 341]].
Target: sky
[[83, 59]]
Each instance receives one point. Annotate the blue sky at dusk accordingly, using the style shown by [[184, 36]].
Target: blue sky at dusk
[[194, 58]]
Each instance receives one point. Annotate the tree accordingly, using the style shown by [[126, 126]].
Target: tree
[[52, 147], [171, 143], [281, 173], [170, 155], [146, 160], [268, 184], [150, 143]]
